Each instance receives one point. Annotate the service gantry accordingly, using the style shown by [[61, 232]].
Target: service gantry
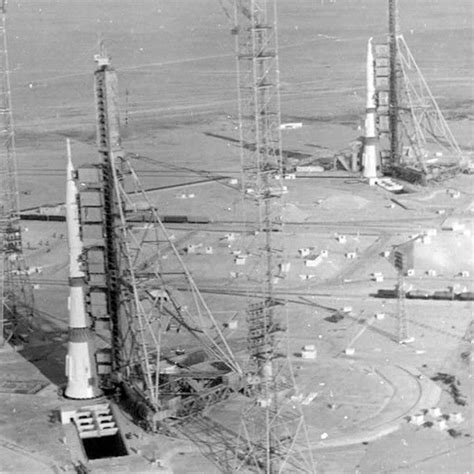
[[415, 141], [136, 315]]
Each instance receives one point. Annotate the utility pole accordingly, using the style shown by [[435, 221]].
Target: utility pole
[[16, 292]]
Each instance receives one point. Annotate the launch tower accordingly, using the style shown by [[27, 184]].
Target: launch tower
[[414, 139]]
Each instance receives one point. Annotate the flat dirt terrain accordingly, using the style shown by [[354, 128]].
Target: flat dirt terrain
[[176, 69]]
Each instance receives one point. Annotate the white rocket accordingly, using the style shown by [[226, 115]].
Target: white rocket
[[82, 382], [369, 157]]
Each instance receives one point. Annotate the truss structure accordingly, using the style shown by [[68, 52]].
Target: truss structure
[[402, 329], [401, 265], [425, 127], [272, 436], [133, 271], [415, 140], [16, 308]]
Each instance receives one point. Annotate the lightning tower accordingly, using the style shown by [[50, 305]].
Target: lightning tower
[[273, 436], [16, 292]]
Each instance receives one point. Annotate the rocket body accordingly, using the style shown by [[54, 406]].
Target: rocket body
[[369, 158], [80, 360]]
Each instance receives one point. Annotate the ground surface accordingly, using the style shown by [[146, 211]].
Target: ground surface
[[177, 81]]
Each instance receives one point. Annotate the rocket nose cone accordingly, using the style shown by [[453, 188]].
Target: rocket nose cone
[[369, 49], [71, 188], [70, 166]]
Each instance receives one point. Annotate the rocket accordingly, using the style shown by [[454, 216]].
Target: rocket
[[81, 372], [369, 157]]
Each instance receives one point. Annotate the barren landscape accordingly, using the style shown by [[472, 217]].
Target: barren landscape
[[176, 68]]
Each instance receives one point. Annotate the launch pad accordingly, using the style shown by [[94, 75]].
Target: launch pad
[[338, 237]]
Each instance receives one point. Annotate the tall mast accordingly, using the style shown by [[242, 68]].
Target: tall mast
[[17, 297], [266, 425]]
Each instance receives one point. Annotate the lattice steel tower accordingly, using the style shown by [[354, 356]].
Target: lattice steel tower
[[416, 143], [16, 291], [130, 294], [393, 109], [272, 437]]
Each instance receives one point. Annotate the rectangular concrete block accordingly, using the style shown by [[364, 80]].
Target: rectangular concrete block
[[417, 420], [304, 252], [456, 417], [305, 354], [440, 425]]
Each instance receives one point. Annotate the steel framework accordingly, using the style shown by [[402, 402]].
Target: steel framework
[[402, 320], [16, 308], [131, 299], [272, 437], [420, 145]]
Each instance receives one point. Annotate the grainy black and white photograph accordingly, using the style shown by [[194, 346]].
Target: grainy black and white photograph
[[236, 236]]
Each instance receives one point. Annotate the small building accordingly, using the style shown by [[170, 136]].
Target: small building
[[285, 267], [440, 425], [435, 412], [431, 272], [209, 250], [240, 260], [417, 419], [304, 252], [351, 255], [193, 248], [455, 417], [309, 351]]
